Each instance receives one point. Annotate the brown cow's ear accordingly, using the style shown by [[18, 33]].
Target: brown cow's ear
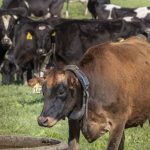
[[72, 82]]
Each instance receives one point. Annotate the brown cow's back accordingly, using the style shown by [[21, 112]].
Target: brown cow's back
[[119, 76]]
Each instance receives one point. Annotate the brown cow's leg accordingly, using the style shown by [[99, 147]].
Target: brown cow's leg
[[121, 145], [115, 137], [74, 134]]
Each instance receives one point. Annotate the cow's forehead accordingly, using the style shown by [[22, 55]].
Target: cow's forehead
[[60, 77], [55, 79]]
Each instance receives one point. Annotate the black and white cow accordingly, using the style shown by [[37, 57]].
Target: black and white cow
[[31, 44], [102, 9], [8, 18], [23, 41], [70, 46], [37, 8], [36, 41]]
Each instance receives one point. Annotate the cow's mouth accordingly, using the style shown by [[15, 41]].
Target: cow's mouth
[[51, 121], [47, 121]]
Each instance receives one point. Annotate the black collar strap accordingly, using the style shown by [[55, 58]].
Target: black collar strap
[[85, 85], [81, 76]]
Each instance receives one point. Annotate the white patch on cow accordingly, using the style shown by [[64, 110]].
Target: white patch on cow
[[55, 16], [48, 15], [41, 74], [128, 19], [32, 15], [6, 20], [42, 28], [15, 17], [8, 39], [26, 3], [110, 7], [147, 29], [142, 12]]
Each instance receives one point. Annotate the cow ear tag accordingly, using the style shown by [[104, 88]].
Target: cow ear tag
[[54, 34], [29, 36]]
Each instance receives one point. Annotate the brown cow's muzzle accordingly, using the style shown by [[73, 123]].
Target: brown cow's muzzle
[[46, 121]]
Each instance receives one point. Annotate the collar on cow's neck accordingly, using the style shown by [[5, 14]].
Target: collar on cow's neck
[[78, 115]]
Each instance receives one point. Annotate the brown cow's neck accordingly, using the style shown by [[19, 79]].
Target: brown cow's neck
[[96, 123]]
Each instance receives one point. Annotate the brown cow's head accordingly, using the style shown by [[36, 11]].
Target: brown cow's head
[[62, 96]]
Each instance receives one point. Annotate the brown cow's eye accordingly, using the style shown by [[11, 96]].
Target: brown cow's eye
[[61, 91]]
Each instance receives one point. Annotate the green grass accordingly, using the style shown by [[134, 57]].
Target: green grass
[[132, 3], [19, 108]]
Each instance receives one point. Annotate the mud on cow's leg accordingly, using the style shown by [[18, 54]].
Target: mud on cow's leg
[[74, 134], [116, 135]]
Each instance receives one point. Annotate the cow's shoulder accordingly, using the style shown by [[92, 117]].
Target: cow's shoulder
[[124, 50]]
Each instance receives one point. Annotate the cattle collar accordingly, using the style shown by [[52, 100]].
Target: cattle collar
[[85, 85]]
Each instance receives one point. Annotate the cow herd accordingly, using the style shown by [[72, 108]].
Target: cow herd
[[108, 91], [31, 31]]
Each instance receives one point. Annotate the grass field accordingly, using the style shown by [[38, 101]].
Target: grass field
[[19, 108]]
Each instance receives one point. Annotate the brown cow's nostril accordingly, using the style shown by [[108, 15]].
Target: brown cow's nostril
[[42, 121]]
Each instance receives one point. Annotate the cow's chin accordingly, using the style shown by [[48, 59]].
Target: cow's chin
[[51, 121]]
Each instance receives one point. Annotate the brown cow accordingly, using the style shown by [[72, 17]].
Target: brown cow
[[119, 92]]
